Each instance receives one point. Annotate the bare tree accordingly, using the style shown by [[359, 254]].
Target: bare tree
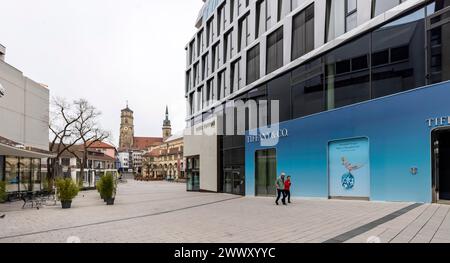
[[63, 135], [87, 129]]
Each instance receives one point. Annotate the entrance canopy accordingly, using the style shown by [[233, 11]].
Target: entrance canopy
[[11, 148]]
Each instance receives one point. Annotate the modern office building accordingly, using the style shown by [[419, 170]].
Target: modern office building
[[361, 86], [24, 120]]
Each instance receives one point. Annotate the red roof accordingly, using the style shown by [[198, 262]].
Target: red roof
[[143, 143], [102, 145]]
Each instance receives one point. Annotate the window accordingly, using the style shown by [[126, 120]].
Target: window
[[268, 18], [438, 42], [243, 4], [12, 174], [200, 43], [244, 34], [228, 46], [204, 66], [235, 76], [2, 168], [209, 92], [275, 50], [209, 32], [398, 59], [215, 57], [381, 6], [232, 3], [199, 99], [350, 14], [221, 88], [280, 10], [347, 74], [25, 174], [221, 19], [308, 95], [253, 65], [65, 161], [196, 74], [303, 32], [341, 17], [191, 52], [260, 18]]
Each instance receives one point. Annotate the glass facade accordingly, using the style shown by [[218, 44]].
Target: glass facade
[[21, 174], [12, 174], [406, 53], [398, 57], [347, 74], [308, 96]]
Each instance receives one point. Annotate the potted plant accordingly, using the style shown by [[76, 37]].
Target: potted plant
[[2, 191], [67, 190], [99, 185], [108, 188]]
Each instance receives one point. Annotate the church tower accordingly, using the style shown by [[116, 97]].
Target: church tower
[[126, 129], [167, 128]]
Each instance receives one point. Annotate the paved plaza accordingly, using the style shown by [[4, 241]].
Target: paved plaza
[[165, 212]]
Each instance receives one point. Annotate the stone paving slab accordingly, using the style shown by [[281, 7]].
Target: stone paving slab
[[165, 212]]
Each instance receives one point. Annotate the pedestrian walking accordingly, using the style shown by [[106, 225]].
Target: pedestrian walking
[[287, 188], [280, 189]]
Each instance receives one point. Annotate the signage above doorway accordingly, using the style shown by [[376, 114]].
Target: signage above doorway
[[437, 122]]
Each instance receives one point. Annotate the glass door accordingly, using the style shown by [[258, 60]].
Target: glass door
[[234, 182], [228, 182], [266, 172], [193, 174], [441, 167]]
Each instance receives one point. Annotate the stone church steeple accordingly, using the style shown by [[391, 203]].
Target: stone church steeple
[[167, 127], [126, 129]]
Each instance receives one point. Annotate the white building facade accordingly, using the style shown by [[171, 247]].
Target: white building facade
[[24, 120]]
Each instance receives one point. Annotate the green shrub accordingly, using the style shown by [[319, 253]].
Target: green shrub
[[108, 186], [67, 189], [2, 191], [99, 185]]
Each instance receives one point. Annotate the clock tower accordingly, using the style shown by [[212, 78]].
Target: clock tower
[[126, 129]]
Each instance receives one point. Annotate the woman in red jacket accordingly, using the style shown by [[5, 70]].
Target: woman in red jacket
[[287, 188]]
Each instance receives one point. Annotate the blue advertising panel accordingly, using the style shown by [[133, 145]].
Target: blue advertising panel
[[399, 130], [349, 168]]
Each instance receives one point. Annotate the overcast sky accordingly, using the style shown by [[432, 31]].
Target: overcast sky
[[107, 51]]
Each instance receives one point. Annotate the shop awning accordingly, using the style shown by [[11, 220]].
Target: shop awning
[[11, 148]]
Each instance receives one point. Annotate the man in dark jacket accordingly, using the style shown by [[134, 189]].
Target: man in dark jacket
[[280, 189]]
